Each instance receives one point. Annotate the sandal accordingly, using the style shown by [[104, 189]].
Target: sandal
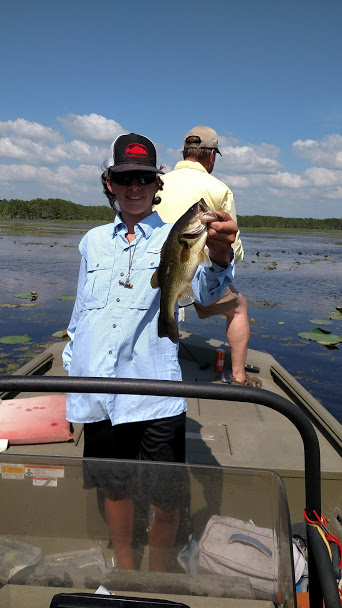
[[248, 381]]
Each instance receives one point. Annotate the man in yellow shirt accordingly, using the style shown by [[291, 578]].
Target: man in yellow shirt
[[191, 180]]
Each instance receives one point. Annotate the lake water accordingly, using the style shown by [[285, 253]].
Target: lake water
[[288, 280]]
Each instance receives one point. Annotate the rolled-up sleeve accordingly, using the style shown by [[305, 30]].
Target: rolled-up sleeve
[[210, 282]]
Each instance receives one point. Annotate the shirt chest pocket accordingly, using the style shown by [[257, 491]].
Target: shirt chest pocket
[[144, 270], [97, 286]]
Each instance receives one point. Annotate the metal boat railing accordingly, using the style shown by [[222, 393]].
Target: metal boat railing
[[322, 581]]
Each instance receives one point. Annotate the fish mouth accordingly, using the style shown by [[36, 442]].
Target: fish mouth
[[209, 216], [193, 234]]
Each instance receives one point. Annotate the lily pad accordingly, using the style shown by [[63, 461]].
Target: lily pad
[[320, 322], [23, 296], [15, 339], [60, 334], [71, 298], [322, 336], [335, 316]]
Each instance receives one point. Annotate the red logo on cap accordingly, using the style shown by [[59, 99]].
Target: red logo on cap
[[136, 150]]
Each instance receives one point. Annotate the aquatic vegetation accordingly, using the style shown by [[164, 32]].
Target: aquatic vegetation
[[11, 367], [71, 298], [334, 315], [27, 296], [322, 336], [15, 339], [23, 296], [27, 305], [320, 321], [60, 334]]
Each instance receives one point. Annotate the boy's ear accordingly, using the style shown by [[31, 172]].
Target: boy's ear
[[109, 185]]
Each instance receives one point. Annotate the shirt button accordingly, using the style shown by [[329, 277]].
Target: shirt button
[[121, 274], [152, 263], [114, 325], [118, 299], [97, 265], [110, 352], [211, 269]]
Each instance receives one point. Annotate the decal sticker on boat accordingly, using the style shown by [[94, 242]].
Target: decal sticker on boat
[[39, 471], [49, 482], [12, 471]]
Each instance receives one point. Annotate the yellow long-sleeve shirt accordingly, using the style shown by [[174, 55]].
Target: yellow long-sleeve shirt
[[185, 185]]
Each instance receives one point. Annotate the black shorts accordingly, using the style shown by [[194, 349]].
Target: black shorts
[[161, 440]]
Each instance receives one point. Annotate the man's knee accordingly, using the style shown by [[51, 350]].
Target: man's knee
[[240, 308]]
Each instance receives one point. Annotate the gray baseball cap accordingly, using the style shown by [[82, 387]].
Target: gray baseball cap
[[206, 138]]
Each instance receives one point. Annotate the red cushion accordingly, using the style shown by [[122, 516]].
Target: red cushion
[[34, 420]]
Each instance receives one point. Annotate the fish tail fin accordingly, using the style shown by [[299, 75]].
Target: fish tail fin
[[167, 328]]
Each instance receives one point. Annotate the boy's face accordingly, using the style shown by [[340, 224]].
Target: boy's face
[[135, 198]]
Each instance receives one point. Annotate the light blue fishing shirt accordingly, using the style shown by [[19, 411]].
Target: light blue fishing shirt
[[114, 329]]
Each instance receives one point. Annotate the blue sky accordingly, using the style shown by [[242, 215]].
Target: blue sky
[[265, 74]]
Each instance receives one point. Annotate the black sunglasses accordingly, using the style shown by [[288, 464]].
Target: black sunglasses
[[125, 179]]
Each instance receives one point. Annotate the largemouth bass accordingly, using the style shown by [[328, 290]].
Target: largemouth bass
[[181, 254]]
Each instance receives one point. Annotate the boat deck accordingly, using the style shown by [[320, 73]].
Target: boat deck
[[230, 433], [222, 433]]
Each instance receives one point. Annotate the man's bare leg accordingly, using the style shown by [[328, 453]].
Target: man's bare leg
[[238, 333], [119, 515], [163, 526]]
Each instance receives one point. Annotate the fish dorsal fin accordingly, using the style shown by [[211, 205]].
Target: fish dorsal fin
[[187, 297], [154, 280], [204, 259]]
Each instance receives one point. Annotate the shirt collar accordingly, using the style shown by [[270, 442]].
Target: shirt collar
[[190, 164], [146, 225]]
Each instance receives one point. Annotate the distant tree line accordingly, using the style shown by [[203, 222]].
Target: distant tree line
[[270, 221], [59, 209], [53, 209]]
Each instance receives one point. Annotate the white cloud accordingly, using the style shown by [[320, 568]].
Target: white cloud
[[64, 175], [31, 130], [327, 153], [286, 180], [335, 195], [21, 149], [11, 173], [91, 127], [323, 178], [248, 159], [236, 181]]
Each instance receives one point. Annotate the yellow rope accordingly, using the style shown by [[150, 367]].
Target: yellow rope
[[323, 536]]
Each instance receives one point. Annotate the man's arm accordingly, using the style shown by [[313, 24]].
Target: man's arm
[[221, 236], [228, 205], [211, 282]]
